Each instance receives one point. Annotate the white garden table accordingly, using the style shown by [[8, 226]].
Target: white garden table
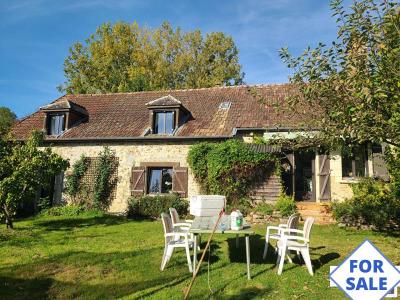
[[206, 224]]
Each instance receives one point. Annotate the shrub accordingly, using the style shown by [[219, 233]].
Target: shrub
[[264, 209], [67, 211], [243, 205], [229, 168], [44, 203], [285, 205], [373, 203], [153, 206]]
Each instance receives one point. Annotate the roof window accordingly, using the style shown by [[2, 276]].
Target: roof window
[[225, 105]]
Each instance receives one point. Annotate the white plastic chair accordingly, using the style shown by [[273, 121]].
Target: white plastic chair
[[184, 225], [275, 232], [174, 239], [296, 240]]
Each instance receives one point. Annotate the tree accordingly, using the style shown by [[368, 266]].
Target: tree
[[24, 168], [354, 84], [127, 58], [7, 118]]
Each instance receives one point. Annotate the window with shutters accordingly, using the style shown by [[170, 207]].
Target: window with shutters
[[159, 180], [354, 162]]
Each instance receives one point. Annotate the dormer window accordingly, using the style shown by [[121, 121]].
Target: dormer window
[[61, 116], [56, 124], [164, 122], [167, 114]]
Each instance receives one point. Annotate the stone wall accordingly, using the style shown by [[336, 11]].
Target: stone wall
[[131, 155], [340, 188]]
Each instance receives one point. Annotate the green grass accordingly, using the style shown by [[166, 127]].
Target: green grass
[[95, 256]]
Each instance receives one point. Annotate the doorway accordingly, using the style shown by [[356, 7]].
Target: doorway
[[304, 175], [299, 178]]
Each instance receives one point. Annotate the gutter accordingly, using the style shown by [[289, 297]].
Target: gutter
[[135, 139]]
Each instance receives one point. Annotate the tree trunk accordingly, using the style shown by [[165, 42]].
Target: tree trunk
[[8, 217], [9, 223]]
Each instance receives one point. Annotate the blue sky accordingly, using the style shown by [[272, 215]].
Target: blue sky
[[36, 35]]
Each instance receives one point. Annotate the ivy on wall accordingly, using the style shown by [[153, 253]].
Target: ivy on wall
[[230, 168], [93, 180], [74, 180], [103, 184]]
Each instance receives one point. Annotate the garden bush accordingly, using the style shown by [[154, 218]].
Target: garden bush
[[373, 204], [44, 203], [285, 205], [243, 205], [65, 210], [153, 206], [264, 209]]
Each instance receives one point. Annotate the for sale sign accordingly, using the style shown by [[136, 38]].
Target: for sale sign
[[366, 274]]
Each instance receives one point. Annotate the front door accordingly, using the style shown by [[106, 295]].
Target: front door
[[304, 175]]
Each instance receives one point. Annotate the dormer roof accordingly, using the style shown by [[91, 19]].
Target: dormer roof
[[168, 101], [64, 105]]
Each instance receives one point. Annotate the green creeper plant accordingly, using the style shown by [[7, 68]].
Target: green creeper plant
[[73, 181], [230, 168], [104, 184]]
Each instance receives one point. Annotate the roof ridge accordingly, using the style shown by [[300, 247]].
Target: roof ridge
[[189, 89]]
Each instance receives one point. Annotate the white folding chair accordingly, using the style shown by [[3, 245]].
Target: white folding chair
[[275, 232], [296, 240], [174, 239]]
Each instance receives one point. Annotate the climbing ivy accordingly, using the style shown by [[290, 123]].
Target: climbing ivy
[[230, 168], [73, 181], [103, 182]]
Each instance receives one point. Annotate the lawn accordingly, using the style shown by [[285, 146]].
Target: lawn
[[97, 256]]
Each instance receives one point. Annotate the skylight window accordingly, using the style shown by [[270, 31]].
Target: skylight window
[[225, 105]]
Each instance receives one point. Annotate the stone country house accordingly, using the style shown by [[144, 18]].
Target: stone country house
[[151, 133]]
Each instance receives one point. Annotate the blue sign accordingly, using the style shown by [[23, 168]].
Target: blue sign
[[366, 274]]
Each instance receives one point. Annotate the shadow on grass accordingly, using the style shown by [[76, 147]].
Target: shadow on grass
[[41, 279], [256, 250], [41, 288], [247, 293], [19, 288], [257, 243], [324, 259], [68, 223], [215, 251]]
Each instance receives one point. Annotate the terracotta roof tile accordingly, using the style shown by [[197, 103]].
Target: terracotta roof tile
[[125, 115]]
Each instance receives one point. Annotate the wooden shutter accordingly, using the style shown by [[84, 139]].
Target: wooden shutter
[[324, 177], [180, 181], [138, 181], [378, 162]]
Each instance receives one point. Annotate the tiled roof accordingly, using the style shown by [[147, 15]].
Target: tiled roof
[[125, 115]]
